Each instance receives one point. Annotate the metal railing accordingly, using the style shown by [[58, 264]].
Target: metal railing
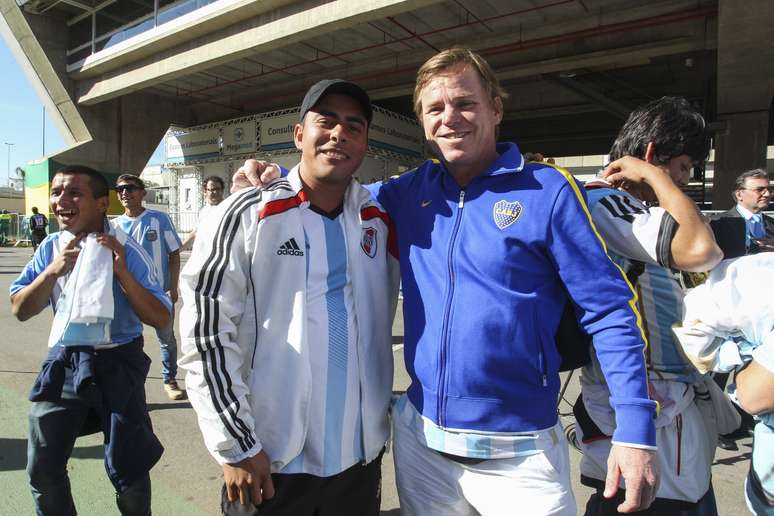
[[16, 231]]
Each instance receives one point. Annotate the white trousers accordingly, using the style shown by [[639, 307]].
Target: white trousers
[[686, 449], [430, 484]]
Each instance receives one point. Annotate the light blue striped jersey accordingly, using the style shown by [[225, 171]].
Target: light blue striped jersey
[[334, 440], [126, 326], [634, 232], [156, 234], [468, 443]]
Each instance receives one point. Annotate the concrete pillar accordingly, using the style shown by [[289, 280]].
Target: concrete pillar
[[113, 137], [125, 132], [745, 87], [740, 146]]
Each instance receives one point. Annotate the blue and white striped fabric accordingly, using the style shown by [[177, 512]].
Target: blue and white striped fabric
[[467, 443], [661, 293], [635, 232], [156, 234], [126, 325], [334, 440]]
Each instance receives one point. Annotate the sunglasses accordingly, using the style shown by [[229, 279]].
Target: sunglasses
[[127, 188], [760, 190]]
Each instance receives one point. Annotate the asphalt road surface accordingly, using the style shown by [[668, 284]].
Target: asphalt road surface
[[187, 480]]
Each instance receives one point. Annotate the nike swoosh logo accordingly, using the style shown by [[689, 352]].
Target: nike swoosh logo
[[425, 204]]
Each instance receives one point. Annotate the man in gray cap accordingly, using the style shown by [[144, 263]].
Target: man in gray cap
[[292, 388]]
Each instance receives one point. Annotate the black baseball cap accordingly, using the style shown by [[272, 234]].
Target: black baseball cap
[[322, 88]]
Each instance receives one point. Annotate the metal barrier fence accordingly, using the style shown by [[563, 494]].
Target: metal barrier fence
[[16, 231], [184, 221]]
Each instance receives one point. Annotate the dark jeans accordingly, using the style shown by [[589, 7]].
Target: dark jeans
[[54, 426], [353, 492], [706, 506], [37, 237]]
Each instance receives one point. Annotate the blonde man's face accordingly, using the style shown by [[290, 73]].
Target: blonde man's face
[[459, 118]]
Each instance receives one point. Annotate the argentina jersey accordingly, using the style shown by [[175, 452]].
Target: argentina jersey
[[334, 440], [154, 231]]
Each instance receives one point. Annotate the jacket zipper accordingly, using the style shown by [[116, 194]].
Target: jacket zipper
[[357, 349], [441, 405], [679, 424]]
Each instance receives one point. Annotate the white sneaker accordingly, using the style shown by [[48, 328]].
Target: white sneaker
[[173, 391]]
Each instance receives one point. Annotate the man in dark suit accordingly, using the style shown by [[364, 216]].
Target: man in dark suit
[[752, 195], [744, 229]]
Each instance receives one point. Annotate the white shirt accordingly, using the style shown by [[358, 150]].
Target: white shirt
[[334, 441]]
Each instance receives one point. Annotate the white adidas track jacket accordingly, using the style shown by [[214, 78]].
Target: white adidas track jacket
[[243, 323]]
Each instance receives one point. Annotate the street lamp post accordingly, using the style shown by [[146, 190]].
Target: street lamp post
[[8, 165]]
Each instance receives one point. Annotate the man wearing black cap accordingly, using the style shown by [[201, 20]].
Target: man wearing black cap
[[288, 300]]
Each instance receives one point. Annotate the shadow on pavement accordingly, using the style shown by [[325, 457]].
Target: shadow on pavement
[[391, 512], [728, 461], [13, 453], [168, 406]]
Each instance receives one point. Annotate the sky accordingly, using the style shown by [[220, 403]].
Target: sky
[[21, 120]]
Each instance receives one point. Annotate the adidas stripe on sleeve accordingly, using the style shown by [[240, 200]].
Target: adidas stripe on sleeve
[[631, 229], [213, 286]]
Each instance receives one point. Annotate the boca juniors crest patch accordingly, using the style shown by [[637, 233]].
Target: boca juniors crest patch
[[152, 235], [506, 213], [368, 242]]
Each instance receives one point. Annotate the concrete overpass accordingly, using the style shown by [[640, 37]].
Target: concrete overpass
[[117, 74]]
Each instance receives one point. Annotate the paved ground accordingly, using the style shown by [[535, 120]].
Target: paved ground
[[186, 480]]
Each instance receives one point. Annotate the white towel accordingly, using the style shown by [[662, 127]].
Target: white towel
[[86, 307], [94, 283], [735, 301]]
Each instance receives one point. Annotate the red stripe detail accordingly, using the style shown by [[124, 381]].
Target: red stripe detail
[[595, 439], [372, 212], [281, 205], [679, 421]]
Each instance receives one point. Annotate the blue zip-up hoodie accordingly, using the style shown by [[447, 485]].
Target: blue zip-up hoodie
[[486, 271]]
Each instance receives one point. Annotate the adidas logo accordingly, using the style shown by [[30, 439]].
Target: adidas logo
[[290, 248]]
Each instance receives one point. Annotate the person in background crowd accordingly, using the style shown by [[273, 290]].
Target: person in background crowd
[[288, 356], [653, 231], [490, 247], [729, 325], [752, 194], [5, 227], [755, 392], [76, 383], [744, 229], [38, 226], [214, 188], [154, 231]]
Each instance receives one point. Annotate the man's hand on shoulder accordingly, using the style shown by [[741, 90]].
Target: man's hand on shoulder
[[249, 480], [639, 469], [254, 173]]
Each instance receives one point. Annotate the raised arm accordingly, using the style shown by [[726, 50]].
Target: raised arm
[[755, 383], [693, 247], [33, 298]]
